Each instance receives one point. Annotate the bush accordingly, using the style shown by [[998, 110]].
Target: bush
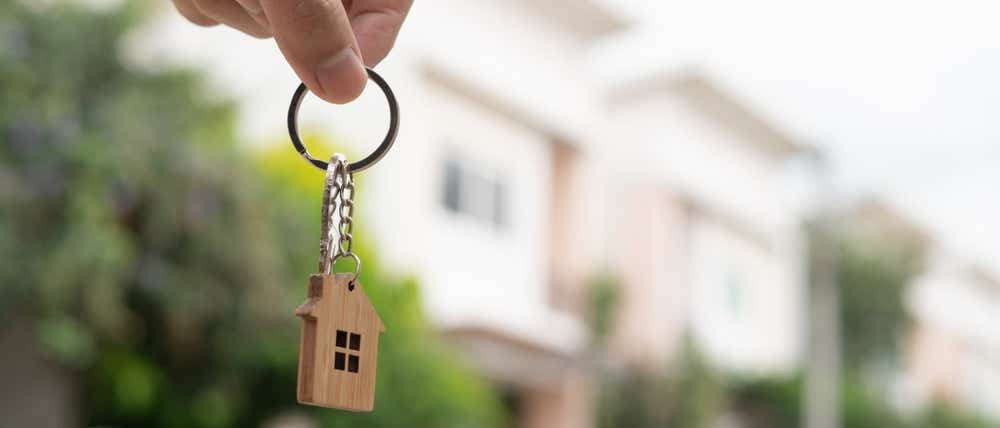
[[689, 394], [777, 403]]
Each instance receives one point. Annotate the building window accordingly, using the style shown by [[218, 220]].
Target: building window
[[345, 356], [499, 204], [472, 193], [452, 186]]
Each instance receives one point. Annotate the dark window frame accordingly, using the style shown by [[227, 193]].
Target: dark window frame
[[347, 351]]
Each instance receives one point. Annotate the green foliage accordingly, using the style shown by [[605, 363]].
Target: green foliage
[[604, 299], [777, 403], [873, 274], [690, 394], [942, 415], [153, 258], [768, 402], [864, 408]]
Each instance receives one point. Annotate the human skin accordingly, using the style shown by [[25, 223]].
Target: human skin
[[327, 42]]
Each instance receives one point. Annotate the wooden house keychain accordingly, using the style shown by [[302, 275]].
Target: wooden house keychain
[[340, 327]]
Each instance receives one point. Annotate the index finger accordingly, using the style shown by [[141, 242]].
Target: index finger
[[376, 24], [315, 37]]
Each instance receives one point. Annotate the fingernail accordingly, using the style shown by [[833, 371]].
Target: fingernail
[[341, 77]]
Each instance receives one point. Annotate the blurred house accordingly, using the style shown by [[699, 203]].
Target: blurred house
[[709, 241], [954, 348], [518, 177]]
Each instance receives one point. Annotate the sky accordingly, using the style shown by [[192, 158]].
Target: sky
[[903, 96]]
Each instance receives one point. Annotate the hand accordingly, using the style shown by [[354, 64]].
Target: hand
[[325, 41]]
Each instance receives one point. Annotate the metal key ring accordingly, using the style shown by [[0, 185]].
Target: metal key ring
[[361, 165]]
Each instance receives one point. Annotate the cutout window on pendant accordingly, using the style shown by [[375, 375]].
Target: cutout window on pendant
[[343, 358]]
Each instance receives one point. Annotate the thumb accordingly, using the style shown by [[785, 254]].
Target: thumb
[[315, 37]]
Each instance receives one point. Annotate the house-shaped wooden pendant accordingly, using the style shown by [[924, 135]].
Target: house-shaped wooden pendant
[[339, 348]]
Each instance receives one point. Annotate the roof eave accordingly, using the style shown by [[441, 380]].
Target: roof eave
[[588, 19], [697, 86]]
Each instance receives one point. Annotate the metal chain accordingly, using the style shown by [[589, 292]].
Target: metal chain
[[346, 211], [338, 204]]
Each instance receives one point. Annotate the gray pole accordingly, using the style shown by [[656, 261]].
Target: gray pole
[[821, 408]]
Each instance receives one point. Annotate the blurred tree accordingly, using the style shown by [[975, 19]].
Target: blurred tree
[[149, 257], [878, 254], [873, 275]]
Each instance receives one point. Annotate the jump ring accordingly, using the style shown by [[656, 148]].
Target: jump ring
[[357, 265]]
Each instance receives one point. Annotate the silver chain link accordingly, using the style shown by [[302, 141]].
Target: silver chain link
[[338, 204], [346, 210]]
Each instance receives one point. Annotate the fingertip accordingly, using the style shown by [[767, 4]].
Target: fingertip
[[190, 12], [341, 78], [376, 33], [260, 33]]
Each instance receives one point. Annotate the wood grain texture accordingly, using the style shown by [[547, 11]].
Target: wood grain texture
[[332, 308]]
